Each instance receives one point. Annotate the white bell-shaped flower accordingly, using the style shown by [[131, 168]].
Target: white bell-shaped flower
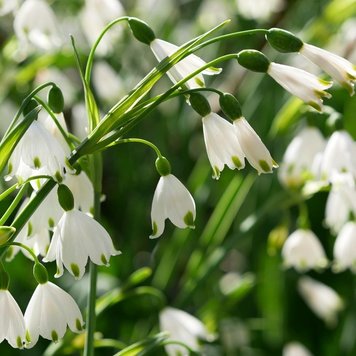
[[172, 201], [300, 83], [37, 153], [302, 250], [12, 324], [49, 312], [321, 299], [221, 144], [76, 238], [340, 69], [345, 248], [299, 159], [162, 49], [339, 156], [35, 24], [341, 202], [182, 327], [254, 149], [294, 348]]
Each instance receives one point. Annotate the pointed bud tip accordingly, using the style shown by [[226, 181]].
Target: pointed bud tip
[[253, 60]]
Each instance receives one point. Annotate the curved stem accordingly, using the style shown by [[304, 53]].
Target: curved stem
[[8, 191], [137, 140], [29, 250]]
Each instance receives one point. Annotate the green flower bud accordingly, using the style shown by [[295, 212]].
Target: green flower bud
[[230, 106], [56, 100], [141, 30], [283, 41], [40, 273], [200, 104], [30, 106], [65, 197], [5, 233], [163, 166], [253, 60]]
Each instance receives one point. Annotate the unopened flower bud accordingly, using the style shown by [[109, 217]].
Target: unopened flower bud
[[283, 41], [230, 106], [5, 233], [141, 30], [40, 273], [253, 60], [200, 104], [56, 100], [65, 197], [163, 166]]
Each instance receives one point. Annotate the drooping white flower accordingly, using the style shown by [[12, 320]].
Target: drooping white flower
[[321, 299], [172, 201], [182, 327], [83, 191], [12, 324], [300, 83], [37, 153], [254, 149], [7, 6], [341, 202], [345, 248], [302, 250], [295, 349], [340, 69], [221, 144], [76, 238], [35, 24], [339, 156], [49, 312], [259, 9], [299, 159], [162, 49]]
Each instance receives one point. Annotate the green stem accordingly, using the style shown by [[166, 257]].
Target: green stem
[[137, 140], [8, 191], [29, 250]]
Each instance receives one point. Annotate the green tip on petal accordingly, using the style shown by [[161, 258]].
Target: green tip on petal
[[264, 166], [104, 260], [19, 342], [29, 229], [75, 270], [51, 223], [154, 230], [58, 178], [199, 82], [216, 173], [315, 105], [10, 168], [189, 219], [37, 162], [78, 325], [54, 336], [237, 162], [28, 337]]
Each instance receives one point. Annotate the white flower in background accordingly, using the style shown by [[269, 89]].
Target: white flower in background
[[345, 248], [37, 153], [300, 83], [254, 149], [295, 349], [79, 121], [49, 312], [341, 202], [76, 238], [36, 25], [7, 6], [171, 200], [299, 159], [221, 144], [339, 156], [7, 112], [83, 191], [340, 69], [162, 49], [12, 324], [94, 16], [302, 250], [182, 327], [259, 9], [321, 299]]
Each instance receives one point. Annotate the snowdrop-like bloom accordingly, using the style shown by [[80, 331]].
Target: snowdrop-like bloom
[[300, 83], [337, 67], [302, 250], [182, 327], [35, 24], [76, 238], [222, 145], [172, 201], [299, 159], [339, 156], [345, 248], [12, 324], [37, 153], [162, 49], [49, 312], [254, 149], [341, 202], [321, 299], [295, 349]]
